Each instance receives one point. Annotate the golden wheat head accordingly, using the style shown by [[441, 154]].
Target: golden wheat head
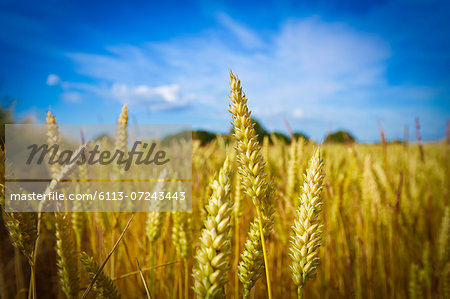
[[308, 226]]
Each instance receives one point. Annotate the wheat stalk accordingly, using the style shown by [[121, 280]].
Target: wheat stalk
[[122, 134], [182, 234], [23, 233], [307, 229], [98, 279], [52, 139], [254, 182], [251, 267], [147, 292], [154, 220], [292, 171], [153, 226], [78, 218], [182, 239], [22, 229], [103, 285], [67, 257], [210, 274]]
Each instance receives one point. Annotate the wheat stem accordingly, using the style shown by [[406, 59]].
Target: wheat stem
[[99, 271], [33, 279], [147, 292], [300, 291], [186, 279], [266, 262], [152, 272]]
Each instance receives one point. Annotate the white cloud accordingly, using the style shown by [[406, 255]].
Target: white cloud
[[71, 97], [297, 113], [246, 37], [53, 79], [144, 94], [333, 72]]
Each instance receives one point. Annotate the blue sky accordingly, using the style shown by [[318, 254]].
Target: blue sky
[[318, 64]]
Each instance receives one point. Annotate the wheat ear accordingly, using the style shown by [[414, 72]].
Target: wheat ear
[[254, 182], [22, 231], [210, 273], [182, 239], [153, 227], [292, 171], [52, 139], [78, 218], [122, 135], [237, 211], [67, 257], [103, 286], [182, 234], [307, 228]]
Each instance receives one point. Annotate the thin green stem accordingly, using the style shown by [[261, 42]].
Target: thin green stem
[[300, 291], [34, 258], [33, 280], [180, 285], [246, 293], [266, 263], [152, 272], [186, 279]]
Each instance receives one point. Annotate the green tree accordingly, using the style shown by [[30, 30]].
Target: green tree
[[259, 130], [301, 135], [340, 137], [204, 136]]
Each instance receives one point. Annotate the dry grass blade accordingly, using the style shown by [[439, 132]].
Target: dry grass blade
[[106, 260], [144, 270], [143, 280]]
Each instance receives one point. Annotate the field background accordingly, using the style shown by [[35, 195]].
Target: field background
[[384, 233]]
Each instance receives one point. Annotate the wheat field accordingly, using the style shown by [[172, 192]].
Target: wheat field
[[269, 220]]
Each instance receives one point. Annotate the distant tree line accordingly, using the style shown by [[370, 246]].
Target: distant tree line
[[6, 117], [205, 137], [339, 137]]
